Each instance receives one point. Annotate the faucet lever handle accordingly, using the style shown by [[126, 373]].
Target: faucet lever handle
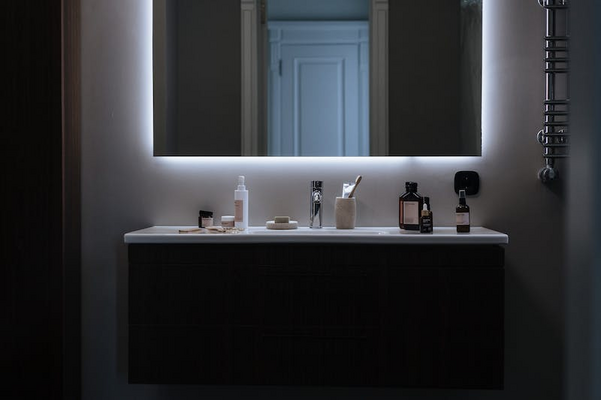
[[316, 209]]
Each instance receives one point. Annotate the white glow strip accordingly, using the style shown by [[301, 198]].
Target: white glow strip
[[488, 29], [146, 71]]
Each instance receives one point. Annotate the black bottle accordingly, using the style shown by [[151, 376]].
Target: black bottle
[[410, 205], [426, 222], [427, 201], [462, 214]]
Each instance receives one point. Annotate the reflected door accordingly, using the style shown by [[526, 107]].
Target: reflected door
[[318, 103]]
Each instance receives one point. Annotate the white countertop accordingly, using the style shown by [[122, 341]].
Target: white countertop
[[443, 235]]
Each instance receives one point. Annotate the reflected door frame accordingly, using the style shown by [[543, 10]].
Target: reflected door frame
[[300, 53], [253, 56]]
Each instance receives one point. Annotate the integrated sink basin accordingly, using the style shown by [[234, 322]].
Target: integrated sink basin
[[327, 231], [260, 234]]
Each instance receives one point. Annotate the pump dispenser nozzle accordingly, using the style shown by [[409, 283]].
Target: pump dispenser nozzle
[[241, 185]]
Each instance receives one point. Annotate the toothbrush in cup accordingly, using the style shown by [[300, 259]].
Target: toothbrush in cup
[[357, 181]]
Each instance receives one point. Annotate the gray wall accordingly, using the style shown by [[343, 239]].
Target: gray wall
[[424, 81], [125, 188], [583, 270], [201, 101]]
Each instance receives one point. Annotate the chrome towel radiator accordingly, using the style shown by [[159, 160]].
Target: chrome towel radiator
[[555, 135]]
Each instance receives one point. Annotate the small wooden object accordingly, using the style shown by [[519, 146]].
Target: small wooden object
[[193, 230], [357, 181]]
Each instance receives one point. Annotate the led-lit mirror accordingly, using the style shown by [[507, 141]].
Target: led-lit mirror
[[317, 77]]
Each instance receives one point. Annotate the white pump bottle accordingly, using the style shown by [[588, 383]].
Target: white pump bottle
[[241, 205]]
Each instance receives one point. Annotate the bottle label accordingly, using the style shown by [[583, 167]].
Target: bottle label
[[238, 210], [463, 218], [411, 213], [426, 225]]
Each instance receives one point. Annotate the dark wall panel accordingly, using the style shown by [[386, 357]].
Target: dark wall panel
[[31, 239]]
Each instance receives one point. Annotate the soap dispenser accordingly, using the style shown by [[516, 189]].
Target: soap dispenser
[[241, 205]]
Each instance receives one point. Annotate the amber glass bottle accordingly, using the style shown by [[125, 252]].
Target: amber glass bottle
[[425, 220], [410, 206], [427, 202], [462, 213]]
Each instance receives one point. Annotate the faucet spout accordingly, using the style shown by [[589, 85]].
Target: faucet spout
[[316, 213]]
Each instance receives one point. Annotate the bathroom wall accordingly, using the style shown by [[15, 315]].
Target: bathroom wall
[[126, 188], [583, 267]]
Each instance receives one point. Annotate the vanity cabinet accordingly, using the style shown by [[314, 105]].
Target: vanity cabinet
[[317, 314]]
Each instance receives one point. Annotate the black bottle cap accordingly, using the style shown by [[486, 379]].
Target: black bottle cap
[[205, 214], [411, 186], [427, 202]]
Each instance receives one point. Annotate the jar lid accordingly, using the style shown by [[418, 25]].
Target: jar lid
[[205, 214], [227, 218]]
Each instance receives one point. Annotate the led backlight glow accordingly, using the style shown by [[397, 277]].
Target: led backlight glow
[[489, 24]]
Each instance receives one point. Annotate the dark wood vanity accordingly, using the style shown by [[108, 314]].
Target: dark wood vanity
[[405, 315]]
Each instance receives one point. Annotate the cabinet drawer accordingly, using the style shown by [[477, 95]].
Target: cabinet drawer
[[319, 296], [319, 356]]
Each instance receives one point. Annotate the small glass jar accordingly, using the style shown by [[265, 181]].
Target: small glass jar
[[205, 219], [227, 221]]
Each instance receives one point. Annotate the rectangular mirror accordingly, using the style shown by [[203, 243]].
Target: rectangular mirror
[[317, 77]]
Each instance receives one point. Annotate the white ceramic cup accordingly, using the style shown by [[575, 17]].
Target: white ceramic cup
[[346, 212]]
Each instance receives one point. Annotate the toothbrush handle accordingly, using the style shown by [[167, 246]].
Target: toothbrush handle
[[357, 181]]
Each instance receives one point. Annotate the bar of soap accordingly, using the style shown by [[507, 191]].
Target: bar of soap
[[281, 219], [282, 225]]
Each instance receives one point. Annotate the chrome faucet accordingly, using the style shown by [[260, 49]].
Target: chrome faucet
[[316, 199]]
